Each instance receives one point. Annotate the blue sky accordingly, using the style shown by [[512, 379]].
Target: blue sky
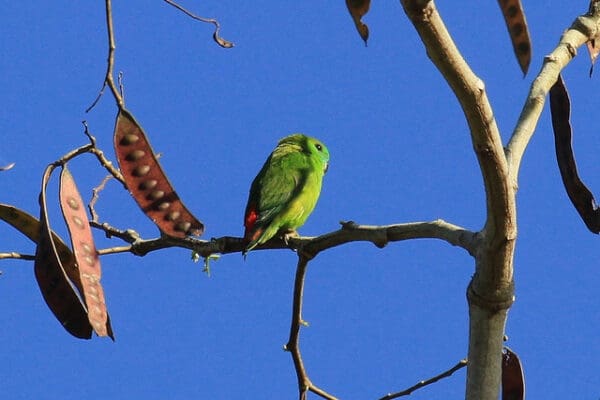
[[380, 320]]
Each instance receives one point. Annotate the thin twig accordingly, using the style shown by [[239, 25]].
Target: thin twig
[[108, 78], [445, 374], [17, 256], [96, 195], [105, 162], [581, 31], [293, 344], [219, 40], [7, 167]]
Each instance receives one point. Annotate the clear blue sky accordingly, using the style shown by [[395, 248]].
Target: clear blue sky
[[380, 320]]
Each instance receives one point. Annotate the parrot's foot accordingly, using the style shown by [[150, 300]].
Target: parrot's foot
[[291, 233]]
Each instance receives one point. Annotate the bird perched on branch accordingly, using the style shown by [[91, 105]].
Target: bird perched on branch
[[286, 189]]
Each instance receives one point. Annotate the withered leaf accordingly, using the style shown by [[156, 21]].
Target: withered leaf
[[358, 9], [86, 255], [514, 17], [147, 182], [226, 44], [52, 278], [580, 195], [513, 380]]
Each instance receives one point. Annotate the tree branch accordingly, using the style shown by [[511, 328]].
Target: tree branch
[[461, 364], [491, 291], [293, 344], [582, 30], [380, 236], [309, 246], [17, 256], [470, 92], [108, 78]]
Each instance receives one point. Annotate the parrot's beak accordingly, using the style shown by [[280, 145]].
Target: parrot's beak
[[326, 168]]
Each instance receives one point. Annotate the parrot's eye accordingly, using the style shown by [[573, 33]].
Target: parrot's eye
[[318, 146]]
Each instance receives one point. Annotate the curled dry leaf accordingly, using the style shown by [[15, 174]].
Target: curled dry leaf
[[514, 18], [147, 182], [86, 255], [358, 9], [513, 380], [52, 278], [580, 195], [226, 44]]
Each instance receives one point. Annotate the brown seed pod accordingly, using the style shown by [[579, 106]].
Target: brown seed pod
[[513, 379], [358, 9], [147, 182], [514, 17], [86, 255], [52, 279]]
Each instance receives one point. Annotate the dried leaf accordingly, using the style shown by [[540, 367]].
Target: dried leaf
[[226, 44], [513, 380], [52, 278], [514, 18], [358, 9], [580, 195], [86, 254], [147, 182]]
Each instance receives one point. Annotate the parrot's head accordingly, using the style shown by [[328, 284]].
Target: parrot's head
[[313, 148], [317, 151]]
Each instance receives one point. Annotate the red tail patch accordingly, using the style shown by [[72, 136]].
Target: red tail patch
[[249, 221]]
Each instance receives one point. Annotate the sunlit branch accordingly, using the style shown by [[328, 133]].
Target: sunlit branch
[[582, 30], [17, 256], [471, 94], [309, 246], [491, 290]]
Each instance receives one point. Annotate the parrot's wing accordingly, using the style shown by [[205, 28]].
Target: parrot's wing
[[276, 185]]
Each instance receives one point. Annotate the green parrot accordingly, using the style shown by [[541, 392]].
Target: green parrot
[[286, 189]]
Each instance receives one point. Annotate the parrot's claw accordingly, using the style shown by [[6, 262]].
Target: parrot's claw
[[289, 234]]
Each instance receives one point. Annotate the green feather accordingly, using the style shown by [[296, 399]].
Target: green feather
[[286, 189]]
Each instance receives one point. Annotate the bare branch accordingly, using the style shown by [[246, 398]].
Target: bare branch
[[491, 291], [582, 29], [108, 78], [470, 92], [293, 344], [105, 162], [380, 236], [7, 167], [17, 256], [461, 364], [95, 196], [309, 246]]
